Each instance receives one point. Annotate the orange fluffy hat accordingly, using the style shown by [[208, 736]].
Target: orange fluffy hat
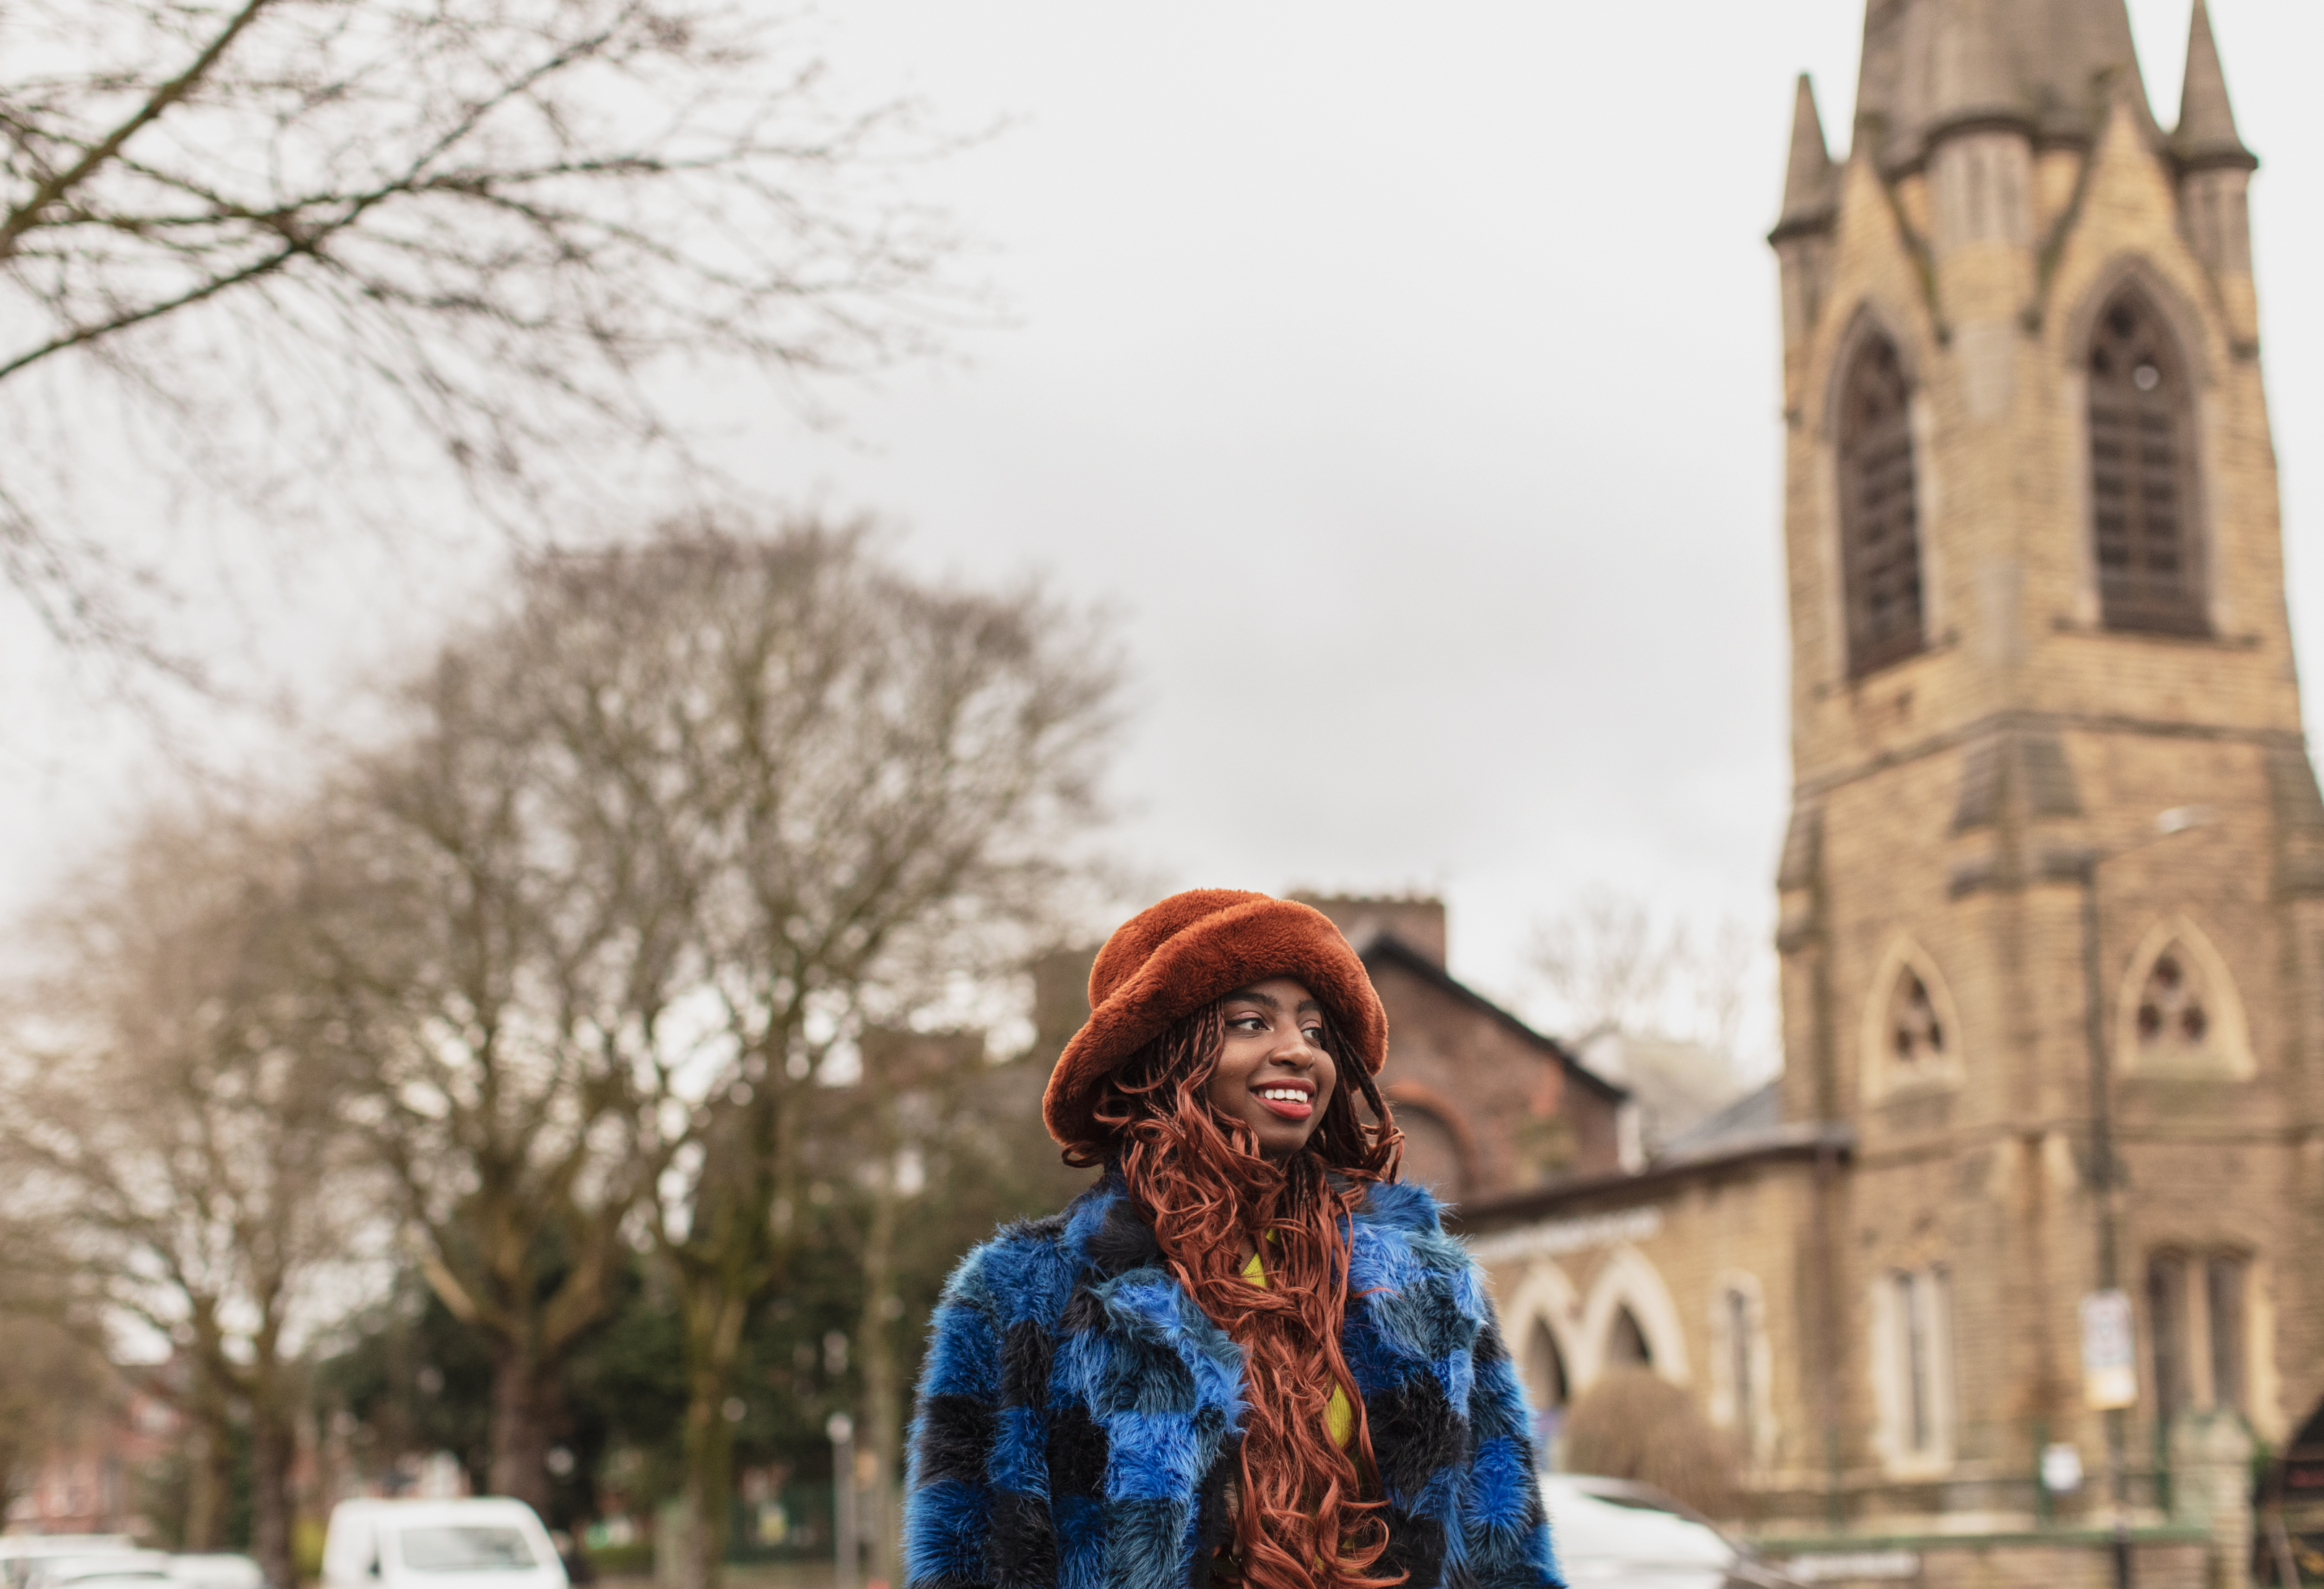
[[1172, 958]]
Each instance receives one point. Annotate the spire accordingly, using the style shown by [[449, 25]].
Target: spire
[[1971, 80], [1932, 64], [1809, 190], [2206, 133]]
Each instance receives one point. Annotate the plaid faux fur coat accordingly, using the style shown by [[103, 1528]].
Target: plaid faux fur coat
[[1078, 1416]]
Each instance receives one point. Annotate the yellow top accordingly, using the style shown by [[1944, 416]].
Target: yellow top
[[1338, 1419]]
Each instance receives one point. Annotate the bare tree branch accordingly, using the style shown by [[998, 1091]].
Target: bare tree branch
[[28, 213], [449, 242]]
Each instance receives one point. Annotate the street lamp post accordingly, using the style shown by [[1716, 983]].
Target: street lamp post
[[841, 1430], [2104, 1177]]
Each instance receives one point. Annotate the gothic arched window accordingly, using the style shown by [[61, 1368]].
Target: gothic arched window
[[2180, 1015], [1879, 509], [1912, 1029], [2143, 502]]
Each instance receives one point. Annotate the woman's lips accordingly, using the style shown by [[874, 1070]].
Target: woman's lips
[[1284, 1109]]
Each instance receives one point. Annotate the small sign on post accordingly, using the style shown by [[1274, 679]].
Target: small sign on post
[[2109, 1351]]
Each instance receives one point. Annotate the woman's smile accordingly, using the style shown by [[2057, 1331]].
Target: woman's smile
[[1291, 1100]]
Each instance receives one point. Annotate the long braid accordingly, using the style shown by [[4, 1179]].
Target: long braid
[[1309, 1515]]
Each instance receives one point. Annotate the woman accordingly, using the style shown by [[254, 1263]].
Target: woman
[[1247, 1353]]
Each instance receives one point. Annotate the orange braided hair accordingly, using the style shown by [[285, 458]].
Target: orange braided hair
[[1304, 1520]]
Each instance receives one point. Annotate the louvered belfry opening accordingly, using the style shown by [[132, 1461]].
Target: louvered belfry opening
[[1879, 509], [2143, 473]]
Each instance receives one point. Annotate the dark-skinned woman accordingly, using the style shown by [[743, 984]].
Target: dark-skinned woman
[[1248, 1353]]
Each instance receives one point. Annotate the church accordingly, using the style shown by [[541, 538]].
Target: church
[[2052, 900]]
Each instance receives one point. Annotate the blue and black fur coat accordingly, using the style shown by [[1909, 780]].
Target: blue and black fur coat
[[1079, 1417]]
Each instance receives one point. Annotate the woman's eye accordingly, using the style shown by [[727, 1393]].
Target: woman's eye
[[1313, 1034]]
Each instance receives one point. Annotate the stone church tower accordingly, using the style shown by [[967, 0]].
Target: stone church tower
[[2041, 666], [2052, 895]]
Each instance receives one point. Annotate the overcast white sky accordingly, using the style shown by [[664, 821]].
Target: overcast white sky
[[1405, 377]]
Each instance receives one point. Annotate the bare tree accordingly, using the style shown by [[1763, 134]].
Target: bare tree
[[303, 246], [1611, 963], [171, 1117], [497, 988], [869, 787], [703, 814]]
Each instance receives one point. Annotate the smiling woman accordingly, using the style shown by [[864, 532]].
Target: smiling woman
[[1248, 1353]]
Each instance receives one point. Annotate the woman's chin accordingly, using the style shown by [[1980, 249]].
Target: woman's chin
[[1279, 1146]]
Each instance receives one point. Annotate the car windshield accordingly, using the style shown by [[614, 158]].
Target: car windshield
[[1605, 1528], [465, 1548]]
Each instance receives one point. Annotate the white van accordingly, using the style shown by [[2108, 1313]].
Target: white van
[[486, 1543], [216, 1569]]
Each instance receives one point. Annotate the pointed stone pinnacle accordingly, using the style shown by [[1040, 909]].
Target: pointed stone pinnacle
[[1809, 190], [2207, 135]]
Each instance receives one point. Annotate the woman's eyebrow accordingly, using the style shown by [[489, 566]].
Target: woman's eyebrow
[[1307, 1006]]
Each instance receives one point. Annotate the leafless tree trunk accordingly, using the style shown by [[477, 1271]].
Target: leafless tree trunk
[[318, 251], [207, 1462], [208, 1405], [273, 1449]]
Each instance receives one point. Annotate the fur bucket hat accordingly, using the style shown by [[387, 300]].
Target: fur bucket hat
[[1172, 958]]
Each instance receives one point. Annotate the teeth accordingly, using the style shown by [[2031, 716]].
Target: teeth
[[1283, 1094]]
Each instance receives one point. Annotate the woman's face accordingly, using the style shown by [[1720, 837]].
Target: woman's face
[[1273, 1074]]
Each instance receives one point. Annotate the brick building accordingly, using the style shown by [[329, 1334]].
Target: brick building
[[2052, 895]]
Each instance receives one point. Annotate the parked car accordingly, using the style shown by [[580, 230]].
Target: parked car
[[1614, 1534], [217, 1570], [110, 1569], [484, 1543], [21, 1553]]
